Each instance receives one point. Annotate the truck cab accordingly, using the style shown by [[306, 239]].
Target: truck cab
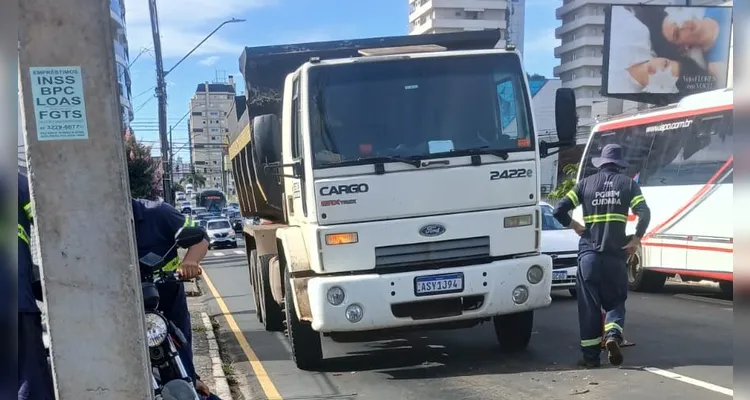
[[404, 189]]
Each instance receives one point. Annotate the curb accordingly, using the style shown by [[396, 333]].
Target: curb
[[220, 379], [192, 289]]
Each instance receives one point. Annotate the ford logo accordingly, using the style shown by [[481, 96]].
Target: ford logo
[[432, 230]]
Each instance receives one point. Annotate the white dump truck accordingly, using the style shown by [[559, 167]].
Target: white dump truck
[[391, 184]]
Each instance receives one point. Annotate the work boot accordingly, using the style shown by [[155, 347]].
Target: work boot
[[589, 363], [614, 354]]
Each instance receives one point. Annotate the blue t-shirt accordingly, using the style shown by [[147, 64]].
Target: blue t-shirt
[[26, 299], [719, 52]]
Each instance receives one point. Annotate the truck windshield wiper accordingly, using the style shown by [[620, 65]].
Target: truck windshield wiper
[[477, 150], [374, 160], [386, 159]]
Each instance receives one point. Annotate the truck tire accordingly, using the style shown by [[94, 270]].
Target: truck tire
[[641, 279], [253, 267], [307, 349], [273, 315], [727, 289], [513, 331]]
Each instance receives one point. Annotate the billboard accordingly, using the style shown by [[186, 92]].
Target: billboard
[[659, 54]]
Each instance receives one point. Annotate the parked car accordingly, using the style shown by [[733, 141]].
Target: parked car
[[220, 233], [561, 244]]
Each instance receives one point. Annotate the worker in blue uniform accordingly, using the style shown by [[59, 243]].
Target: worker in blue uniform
[[34, 375], [602, 279], [156, 224]]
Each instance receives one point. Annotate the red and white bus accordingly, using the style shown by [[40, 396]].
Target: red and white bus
[[682, 157]]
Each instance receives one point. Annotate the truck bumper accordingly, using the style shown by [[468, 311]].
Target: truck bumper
[[390, 300]]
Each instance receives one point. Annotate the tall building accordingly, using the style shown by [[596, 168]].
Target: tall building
[[440, 16], [210, 120], [122, 60], [581, 35]]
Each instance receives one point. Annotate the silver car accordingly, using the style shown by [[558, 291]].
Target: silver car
[[220, 233]]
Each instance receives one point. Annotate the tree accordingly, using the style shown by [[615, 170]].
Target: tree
[[570, 171], [196, 179], [144, 171]]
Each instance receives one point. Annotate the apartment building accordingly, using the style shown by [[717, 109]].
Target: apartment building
[[122, 61], [581, 35], [210, 121], [440, 16]]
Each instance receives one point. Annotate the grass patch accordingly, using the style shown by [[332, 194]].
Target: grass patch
[[199, 328], [228, 369]]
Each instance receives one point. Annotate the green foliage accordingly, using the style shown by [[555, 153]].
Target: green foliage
[[196, 179], [144, 171], [570, 171]]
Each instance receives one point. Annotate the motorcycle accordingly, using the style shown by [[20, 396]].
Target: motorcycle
[[169, 378]]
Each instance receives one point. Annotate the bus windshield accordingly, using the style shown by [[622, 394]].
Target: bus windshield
[[671, 152], [418, 108], [213, 200]]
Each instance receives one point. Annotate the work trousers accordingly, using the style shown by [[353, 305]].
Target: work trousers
[[601, 283], [34, 375], [173, 303]]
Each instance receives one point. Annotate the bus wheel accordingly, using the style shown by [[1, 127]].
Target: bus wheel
[[727, 289], [641, 279]]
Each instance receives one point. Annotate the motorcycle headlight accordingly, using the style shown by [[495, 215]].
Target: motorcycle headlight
[[156, 329]]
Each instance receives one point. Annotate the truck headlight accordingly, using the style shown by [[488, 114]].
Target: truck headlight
[[156, 329], [518, 220], [354, 313], [520, 294], [535, 274], [335, 296]]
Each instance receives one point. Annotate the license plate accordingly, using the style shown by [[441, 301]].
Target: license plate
[[559, 275], [439, 284]]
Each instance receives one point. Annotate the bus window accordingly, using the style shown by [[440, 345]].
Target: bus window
[[671, 153]]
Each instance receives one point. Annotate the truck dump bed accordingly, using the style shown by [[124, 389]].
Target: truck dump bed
[[264, 70]]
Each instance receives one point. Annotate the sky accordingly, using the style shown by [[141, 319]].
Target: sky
[[184, 23]]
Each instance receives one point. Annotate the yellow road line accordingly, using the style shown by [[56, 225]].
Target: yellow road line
[[269, 389]]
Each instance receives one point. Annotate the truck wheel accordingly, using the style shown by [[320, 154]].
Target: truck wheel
[[513, 331], [641, 279], [253, 266], [727, 288], [307, 349], [273, 315]]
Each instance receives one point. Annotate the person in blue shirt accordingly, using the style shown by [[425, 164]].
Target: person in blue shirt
[[156, 224], [34, 375]]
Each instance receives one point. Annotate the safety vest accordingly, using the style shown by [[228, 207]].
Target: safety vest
[[22, 234], [173, 264]]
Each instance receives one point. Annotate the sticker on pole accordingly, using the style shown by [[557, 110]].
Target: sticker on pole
[[59, 106]]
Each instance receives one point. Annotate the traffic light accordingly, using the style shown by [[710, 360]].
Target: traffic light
[[177, 168]]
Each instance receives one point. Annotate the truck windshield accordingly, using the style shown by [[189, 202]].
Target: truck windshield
[[418, 108]]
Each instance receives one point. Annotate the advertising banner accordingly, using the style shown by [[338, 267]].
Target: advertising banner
[[667, 52]]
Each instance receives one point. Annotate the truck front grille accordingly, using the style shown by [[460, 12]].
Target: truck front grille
[[432, 253]]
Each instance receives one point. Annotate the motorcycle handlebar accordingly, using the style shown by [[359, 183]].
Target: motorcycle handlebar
[[169, 277]]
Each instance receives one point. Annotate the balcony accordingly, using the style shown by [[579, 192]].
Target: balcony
[[579, 23], [584, 81], [116, 12], [464, 24], [577, 63], [566, 8], [578, 43]]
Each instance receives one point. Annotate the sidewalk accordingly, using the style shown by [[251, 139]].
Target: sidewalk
[[206, 356]]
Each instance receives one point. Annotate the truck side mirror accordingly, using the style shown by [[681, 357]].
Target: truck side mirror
[[277, 169], [566, 122], [566, 119]]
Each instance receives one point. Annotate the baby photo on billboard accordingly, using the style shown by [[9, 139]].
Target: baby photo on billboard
[[668, 49]]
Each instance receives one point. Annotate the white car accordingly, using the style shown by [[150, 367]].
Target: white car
[[561, 244], [220, 233]]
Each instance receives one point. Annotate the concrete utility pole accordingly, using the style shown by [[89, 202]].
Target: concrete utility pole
[[78, 175]]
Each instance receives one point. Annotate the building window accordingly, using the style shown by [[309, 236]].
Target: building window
[[197, 129], [196, 113]]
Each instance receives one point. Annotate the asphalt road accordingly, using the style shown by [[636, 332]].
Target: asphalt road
[[683, 351]]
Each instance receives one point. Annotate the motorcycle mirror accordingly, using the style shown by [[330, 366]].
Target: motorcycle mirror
[[152, 261], [189, 236]]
